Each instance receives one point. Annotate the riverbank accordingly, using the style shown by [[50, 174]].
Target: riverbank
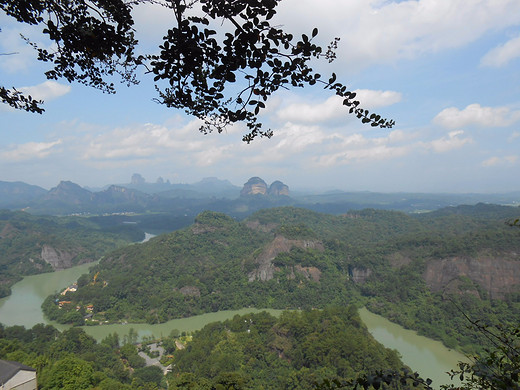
[[23, 307], [428, 357]]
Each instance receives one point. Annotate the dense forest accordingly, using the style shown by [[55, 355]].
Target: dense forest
[[298, 350], [290, 258], [34, 244], [73, 360]]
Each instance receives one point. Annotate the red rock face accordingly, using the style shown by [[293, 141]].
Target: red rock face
[[497, 274]]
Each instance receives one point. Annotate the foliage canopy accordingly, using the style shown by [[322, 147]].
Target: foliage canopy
[[202, 56]]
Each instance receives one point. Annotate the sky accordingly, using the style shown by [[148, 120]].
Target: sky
[[447, 72]]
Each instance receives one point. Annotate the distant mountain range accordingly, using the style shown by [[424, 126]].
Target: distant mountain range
[[215, 194], [138, 197]]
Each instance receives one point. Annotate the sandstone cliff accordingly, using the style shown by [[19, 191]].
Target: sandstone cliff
[[60, 259], [496, 274], [257, 186], [254, 186], [277, 188]]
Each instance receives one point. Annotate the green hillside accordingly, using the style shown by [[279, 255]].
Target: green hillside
[[420, 271], [298, 350], [34, 244]]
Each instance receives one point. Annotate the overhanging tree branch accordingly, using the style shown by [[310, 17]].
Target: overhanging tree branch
[[196, 69]]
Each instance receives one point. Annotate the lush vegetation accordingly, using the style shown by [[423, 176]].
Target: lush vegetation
[[254, 351], [72, 360], [296, 258], [296, 351], [316, 349], [79, 240]]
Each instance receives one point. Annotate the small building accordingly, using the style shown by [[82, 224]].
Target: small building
[[17, 376], [62, 303]]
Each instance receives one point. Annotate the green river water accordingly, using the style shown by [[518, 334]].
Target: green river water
[[23, 307]]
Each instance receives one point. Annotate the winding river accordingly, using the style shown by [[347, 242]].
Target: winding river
[[23, 307]]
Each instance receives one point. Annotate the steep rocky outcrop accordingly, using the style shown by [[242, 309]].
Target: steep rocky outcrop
[[496, 274], [257, 186], [310, 273], [61, 259], [264, 261], [254, 186], [277, 188]]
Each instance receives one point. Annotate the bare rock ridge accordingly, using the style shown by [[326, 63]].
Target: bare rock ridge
[[257, 186]]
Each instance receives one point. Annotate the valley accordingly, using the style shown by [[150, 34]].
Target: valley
[[427, 272]]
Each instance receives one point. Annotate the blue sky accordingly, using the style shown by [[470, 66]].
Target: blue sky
[[447, 71]]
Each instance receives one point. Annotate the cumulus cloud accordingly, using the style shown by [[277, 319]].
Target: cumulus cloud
[[333, 107], [212, 155], [503, 54], [454, 140], [475, 114], [380, 31], [47, 90], [373, 99], [140, 141], [373, 31], [311, 145], [29, 151]]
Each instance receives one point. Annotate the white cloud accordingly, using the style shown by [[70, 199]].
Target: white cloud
[[212, 155], [503, 54], [372, 31], [47, 90], [381, 31], [312, 146], [475, 114], [371, 99], [29, 151], [454, 140], [333, 107], [147, 140]]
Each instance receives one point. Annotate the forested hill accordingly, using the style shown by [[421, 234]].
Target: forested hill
[[299, 350], [412, 269], [35, 244]]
